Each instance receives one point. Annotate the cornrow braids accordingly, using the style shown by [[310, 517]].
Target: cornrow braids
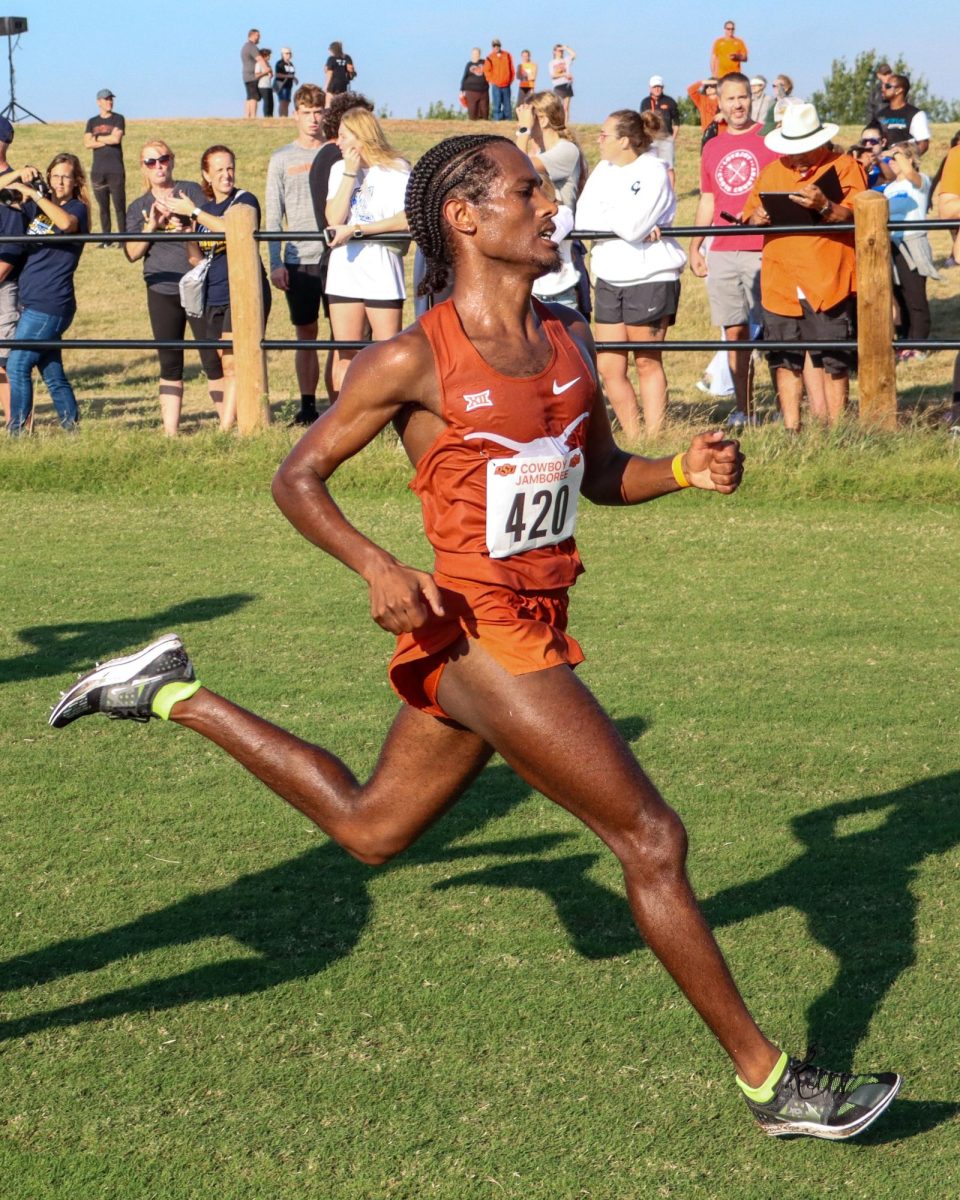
[[458, 164]]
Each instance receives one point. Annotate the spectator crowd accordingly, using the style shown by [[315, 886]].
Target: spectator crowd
[[766, 160]]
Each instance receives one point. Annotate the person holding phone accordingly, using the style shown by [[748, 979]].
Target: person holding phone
[[366, 194]]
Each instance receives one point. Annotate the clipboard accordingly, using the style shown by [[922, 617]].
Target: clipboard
[[784, 211]]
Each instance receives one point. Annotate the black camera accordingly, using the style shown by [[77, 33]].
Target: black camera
[[40, 186]]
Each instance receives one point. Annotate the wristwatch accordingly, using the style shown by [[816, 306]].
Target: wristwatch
[[357, 233]]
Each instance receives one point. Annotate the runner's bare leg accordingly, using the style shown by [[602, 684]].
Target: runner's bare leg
[[556, 736], [424, 766], [552, 731]]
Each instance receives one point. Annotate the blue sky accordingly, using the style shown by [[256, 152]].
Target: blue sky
[[181, 59]]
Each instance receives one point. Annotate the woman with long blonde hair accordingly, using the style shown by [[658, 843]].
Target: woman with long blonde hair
[[365, 285], [543, 135]]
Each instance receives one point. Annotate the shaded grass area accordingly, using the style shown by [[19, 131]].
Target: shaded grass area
[[201, 994]]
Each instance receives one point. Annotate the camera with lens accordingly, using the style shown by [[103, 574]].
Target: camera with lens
[[40, 186]]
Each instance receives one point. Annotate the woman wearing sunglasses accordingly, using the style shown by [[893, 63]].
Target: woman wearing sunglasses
[[163, 265]]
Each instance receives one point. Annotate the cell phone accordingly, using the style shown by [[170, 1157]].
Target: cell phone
[[328, 235]]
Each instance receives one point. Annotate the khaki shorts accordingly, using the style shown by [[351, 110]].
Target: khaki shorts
[[523, 631], [733, 287], [9, 315]]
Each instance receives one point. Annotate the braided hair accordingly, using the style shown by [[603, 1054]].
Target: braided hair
[[459, 165]]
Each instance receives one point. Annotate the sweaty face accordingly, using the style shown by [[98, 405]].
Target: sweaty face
[[516, 219], [735, 105]]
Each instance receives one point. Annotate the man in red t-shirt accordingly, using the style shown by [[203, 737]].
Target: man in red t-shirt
[[729, 168]]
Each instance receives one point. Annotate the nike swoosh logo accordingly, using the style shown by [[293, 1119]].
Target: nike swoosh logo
[[560, 388]]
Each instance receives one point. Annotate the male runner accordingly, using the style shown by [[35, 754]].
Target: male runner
[[500, 412]]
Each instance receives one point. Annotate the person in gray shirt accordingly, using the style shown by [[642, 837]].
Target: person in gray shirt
[[163, 265], [297, 271], [248, 61]]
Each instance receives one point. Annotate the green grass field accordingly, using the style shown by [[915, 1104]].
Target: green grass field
[[202, 996], [111, 301]]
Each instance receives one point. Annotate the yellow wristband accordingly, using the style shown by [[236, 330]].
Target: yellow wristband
[[676, 466]]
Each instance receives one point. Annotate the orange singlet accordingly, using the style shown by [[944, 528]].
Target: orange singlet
[[499, 489]]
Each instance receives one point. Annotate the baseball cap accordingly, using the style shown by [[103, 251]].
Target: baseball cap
[[6, 131], [656, 81], [105, 94]]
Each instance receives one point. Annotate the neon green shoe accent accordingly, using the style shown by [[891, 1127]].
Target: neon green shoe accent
[[759, 1095], [169, 694]]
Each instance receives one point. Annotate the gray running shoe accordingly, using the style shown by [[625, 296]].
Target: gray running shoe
[[124, 688], [813, 1102]]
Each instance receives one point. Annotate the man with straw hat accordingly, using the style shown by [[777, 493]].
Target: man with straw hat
[[807, 281]]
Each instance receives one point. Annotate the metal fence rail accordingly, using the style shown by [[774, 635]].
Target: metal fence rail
[[248, 341]]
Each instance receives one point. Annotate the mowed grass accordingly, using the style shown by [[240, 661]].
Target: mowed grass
[[203, 996], [121, 386]]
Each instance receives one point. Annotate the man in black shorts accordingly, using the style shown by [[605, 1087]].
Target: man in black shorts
[[476, 388], [104, 135], [248, 64], [297, 272]]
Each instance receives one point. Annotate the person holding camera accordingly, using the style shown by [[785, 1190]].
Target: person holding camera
[[164, 263], [366, 194], [55, 205], [218, 167], [11, 259]]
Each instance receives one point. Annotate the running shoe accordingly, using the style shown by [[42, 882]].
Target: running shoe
[[124, 688], [813, 1102]]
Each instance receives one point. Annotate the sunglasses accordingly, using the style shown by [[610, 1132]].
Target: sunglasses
[[870, 141], [162, 160]]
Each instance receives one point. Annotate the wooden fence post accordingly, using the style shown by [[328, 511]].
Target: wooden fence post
[[877, 367], [246, 314]]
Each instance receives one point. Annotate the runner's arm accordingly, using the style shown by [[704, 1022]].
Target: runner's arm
[[615, 477], [381, 380]]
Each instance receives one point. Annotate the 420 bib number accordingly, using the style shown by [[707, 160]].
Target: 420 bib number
[[532, 501]]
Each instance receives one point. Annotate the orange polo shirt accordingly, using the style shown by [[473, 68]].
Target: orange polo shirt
[[823, 267], [723, 47]]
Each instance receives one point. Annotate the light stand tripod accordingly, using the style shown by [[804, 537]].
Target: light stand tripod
[[10, 112]]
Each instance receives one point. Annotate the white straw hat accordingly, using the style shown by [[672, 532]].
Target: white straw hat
[[802, 130]]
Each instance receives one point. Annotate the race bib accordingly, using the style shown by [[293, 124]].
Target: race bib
[[532, 500]]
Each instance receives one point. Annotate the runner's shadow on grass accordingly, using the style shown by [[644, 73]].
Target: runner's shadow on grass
[[853, 883], [58, 650], [294, 920]]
